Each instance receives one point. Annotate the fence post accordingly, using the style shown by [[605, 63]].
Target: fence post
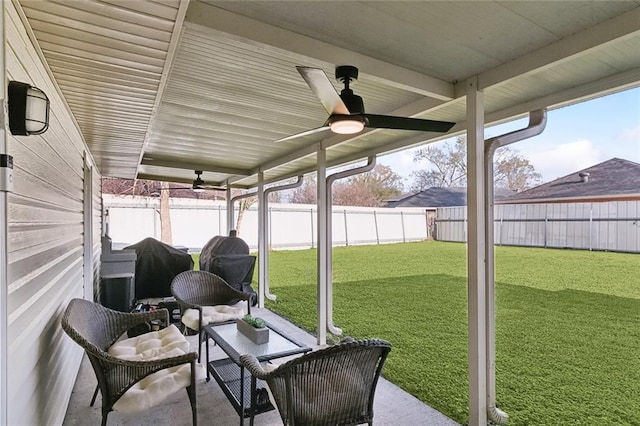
[[375, 221], [312, 241], [546, 223], [269, 228], [346, 235], [404, 239], [590, 227]]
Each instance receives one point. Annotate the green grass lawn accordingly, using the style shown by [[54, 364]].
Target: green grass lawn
[[568, 325]]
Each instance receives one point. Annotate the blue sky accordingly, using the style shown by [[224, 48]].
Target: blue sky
[[575, 137]]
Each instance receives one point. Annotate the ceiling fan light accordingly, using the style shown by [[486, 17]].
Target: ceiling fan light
[[198, 183], [347, 126]]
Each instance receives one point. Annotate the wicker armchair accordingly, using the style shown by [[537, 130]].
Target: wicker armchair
[[331, 386], [95, 328], [198, 289]]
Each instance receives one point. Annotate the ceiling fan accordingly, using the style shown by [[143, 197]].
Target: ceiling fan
[[199, 185], [346, 110]]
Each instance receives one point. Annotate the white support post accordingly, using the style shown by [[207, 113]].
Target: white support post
[[323, 272], [262, 240], [6, 177], [88, 230], [476, 259], [229, 210]]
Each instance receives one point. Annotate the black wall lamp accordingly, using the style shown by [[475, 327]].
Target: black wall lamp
[[28, 109]]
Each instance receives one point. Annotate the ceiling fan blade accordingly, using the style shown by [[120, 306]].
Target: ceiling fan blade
[[302, 134], [405, 123], [324, 90]]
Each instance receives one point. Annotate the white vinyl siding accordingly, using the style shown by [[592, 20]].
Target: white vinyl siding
[[45, 245]]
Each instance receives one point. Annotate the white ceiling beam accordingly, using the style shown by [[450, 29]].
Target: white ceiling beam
[[573, 95], [164, 78], [614, 30], [163, 178], [173, 164], [250, 29]]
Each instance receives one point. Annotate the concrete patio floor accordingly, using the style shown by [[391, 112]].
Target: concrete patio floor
[[392, 406]]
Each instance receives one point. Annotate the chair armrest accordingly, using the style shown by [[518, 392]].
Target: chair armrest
[[252, 364], [184, 305], [121, 322]]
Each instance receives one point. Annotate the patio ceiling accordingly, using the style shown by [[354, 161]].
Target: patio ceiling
[[161, 88]]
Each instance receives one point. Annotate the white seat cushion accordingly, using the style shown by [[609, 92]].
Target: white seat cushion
[[156, 387], [211, 314], [164, 343]]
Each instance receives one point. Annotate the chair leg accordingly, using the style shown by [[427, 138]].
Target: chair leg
[[95, 394], [191, 391], [200, 336], [104, 417]]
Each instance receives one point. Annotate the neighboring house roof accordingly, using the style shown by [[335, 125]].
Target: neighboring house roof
[[614, 179], [440, 197]]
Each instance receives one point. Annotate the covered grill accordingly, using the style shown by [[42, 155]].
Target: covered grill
[[229, 258], [157, 264]]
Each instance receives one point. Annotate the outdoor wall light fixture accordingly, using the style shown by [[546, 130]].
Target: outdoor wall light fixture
[[28, 109]]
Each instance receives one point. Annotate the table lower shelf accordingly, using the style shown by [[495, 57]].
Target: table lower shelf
[[227, 374]]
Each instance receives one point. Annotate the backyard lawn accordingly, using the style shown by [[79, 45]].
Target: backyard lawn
[[568, 325]]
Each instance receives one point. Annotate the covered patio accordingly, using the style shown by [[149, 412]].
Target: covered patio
[[392, 404], [159, 89]]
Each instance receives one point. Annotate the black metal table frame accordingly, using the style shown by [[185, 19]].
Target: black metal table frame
[[234, 356]]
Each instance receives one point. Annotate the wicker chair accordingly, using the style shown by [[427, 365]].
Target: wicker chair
[[197, 289], [95, 328], [331, 386]]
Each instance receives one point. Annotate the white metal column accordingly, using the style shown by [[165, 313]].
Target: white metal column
[[262, 240], [476, 260], [229, 210], [323, 267], [88, 230], [5, 186]]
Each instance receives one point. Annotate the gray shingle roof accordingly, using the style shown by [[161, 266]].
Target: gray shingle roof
[[440, 197], [614, 177]]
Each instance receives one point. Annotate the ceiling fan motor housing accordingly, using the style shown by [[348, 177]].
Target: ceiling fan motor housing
[[353, 102], [346, 73]]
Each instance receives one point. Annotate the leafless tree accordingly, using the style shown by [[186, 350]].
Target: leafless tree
[[367, 189], [449, 168]]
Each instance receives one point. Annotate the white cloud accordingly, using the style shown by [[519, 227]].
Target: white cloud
[[630, 134], [559, 160]]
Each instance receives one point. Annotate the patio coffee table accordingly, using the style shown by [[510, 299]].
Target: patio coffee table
[[241, 389]]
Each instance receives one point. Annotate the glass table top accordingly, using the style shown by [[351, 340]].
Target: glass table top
[[236, 344]]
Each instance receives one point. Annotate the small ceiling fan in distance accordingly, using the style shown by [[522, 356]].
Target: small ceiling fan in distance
[[200, 185], [346, 110]]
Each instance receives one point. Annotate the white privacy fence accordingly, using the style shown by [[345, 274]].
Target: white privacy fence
[[610, 226], [194, 222]]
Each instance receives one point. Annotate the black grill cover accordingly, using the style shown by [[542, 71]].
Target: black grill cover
[[156, 266], [228, 258], [235, 269]]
